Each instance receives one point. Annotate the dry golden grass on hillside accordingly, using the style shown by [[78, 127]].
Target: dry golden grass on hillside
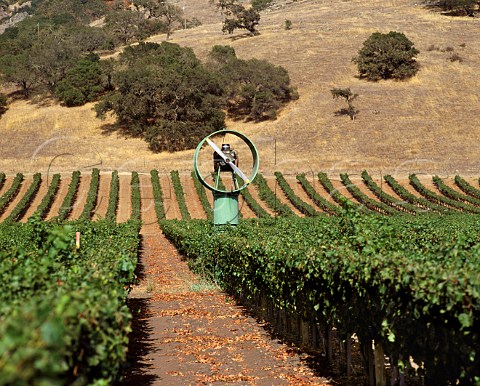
[[428, 124]]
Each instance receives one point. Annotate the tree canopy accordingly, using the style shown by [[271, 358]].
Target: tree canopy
[[161, 92], [387, 56], [170, 15], [254, 89], [37, 56], [164, 94], [457, 7], [82, 83], [238, 17], [68, 11], [39, 50]]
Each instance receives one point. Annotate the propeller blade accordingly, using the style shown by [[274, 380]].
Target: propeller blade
[[217, 149], [239, 172], [228, 161]]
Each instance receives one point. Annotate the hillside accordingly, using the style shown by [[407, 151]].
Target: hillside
[[429, 124]]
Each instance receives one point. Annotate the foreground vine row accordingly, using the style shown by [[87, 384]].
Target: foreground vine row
[[406, 283], [410, 284], [63, 313]]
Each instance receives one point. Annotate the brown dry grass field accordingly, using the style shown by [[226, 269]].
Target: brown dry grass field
[[429, 124]]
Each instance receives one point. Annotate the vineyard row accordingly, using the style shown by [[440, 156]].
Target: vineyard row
[[84, 197], [406, 285]]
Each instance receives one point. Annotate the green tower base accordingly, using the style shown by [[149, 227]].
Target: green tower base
[[225, 208]]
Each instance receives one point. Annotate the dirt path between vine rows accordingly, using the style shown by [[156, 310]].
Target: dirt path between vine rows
[[188, 332]]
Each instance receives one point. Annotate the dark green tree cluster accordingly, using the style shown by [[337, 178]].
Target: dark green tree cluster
[[164, 94], [387, 56], [83, 82], [253, 89], [457, 7], [46, 53], [70, 11], [38, 56]]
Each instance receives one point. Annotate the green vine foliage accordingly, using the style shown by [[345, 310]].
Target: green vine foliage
[[111, 214], [202, 195], [25, 201], [157, 195], [386, 198], [339, 198], [270, 198], [135, 197], [320, 201], [91, 195], [414, 200], [10, 194], [69, 199], [180, 195], [302, 206], [409, 282], [47, 201], [374, 205], [441, 200], [253, 204], [453, 194], [63, 312], [466, 187]]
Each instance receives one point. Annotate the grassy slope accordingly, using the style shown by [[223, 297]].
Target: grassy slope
[[430, 123]]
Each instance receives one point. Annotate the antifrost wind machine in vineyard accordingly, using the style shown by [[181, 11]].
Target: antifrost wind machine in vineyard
[[211, 170]]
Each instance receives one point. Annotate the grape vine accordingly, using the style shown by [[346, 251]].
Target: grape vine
[[69, 199], [47, 201], [180, 195], [111, 214], [17, 213], [302, 206]]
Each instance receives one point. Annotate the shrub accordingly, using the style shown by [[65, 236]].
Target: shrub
[[454, 57], [387, 56]]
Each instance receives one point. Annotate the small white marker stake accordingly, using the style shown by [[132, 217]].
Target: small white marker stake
[[77, 240]]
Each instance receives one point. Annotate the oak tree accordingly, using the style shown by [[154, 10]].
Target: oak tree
[[349, 97], [164, 94], [253, 89], [387, 56], [169, 14], [82, 83], [238, 17]]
